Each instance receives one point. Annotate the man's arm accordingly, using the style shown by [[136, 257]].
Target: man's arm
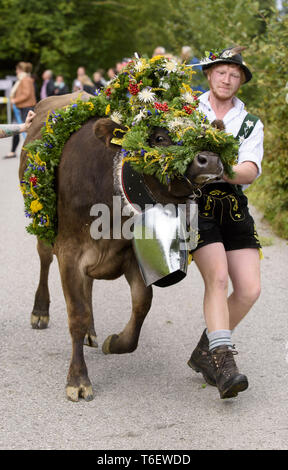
[[245, 173], [249, 158], [7, 130]]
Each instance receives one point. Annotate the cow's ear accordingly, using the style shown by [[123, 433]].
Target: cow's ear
[[109, 132]]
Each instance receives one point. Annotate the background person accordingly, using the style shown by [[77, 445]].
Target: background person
[[60, 87], [22, 98], [98, 80], [87, 84], [47, 88], [76, 85]]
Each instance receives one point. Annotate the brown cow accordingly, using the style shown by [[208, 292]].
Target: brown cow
[[84, 178]]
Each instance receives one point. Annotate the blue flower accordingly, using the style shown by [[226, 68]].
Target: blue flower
[[125, 153]]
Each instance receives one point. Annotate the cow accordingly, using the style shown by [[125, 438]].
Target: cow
[[85, 177]]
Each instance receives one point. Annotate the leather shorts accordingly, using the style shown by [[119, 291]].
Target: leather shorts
[[224, 217]]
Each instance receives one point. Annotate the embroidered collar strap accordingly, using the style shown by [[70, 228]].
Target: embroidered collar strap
[[246, 128]]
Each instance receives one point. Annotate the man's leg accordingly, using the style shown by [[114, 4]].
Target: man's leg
[[244, 271], [212, 263], [211, 260]]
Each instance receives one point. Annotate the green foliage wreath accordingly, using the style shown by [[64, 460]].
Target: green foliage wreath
[[146, 94]]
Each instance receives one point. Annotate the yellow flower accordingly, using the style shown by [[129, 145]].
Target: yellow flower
[[90, 105], [116, 84], [156, 57], [108, 107], [49, 129], [36, 206]]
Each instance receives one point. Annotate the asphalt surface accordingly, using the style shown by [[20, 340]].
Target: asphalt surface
[[146, 400]]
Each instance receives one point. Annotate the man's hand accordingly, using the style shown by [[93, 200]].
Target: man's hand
[[28, 121]]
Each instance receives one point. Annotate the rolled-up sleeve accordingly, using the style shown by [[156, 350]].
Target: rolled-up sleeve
[[251, 149]]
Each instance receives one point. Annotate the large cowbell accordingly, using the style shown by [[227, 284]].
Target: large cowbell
[[161, 242]]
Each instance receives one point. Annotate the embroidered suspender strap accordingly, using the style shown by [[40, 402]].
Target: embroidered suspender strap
[[246, 128], [245, 131]]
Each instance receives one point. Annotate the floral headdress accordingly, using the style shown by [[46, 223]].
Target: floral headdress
[[146, 94]]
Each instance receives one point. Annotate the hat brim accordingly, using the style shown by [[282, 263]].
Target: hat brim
[[206, 65]]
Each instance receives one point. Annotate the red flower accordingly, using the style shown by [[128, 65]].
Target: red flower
[[188, 109], [108, 91], [134, 88], [161, 106], [213, 57], [33, 180]]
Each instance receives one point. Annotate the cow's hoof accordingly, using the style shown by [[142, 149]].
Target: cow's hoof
[[106, 347], [91, 340], [39, 322], [83, 391]]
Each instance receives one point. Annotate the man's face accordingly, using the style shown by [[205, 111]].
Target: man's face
[[224, 80]]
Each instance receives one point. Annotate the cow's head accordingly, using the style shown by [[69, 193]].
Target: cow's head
[[205, 167]]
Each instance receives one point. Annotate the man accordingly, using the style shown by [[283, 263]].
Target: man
[[228, 244], [8, 130]]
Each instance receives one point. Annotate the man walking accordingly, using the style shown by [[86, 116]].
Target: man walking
[[228, 244]]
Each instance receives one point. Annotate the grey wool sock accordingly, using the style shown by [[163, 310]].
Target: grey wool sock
[[219, 338]]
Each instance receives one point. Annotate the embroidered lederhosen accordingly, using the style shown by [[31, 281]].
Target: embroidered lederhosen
[[223, 211]]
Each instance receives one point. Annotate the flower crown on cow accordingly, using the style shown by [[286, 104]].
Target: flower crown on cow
[[146, 94], [157, 93]]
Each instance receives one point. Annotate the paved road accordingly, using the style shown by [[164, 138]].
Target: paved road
[[149, 399]]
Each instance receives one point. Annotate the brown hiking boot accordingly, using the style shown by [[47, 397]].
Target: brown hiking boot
[[201, 360], [228, 379]]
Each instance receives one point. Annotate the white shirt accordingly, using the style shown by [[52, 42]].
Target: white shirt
[[251, 149]]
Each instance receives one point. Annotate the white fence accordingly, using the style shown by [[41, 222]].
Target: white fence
[[6, 85]]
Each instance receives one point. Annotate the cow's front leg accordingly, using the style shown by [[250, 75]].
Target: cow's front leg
[[90, 337], [127, 340], [79, 319]]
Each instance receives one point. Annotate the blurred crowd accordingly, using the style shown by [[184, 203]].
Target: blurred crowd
[[26, 93]]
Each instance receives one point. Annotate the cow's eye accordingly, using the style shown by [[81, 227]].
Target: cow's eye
[[159, 139]]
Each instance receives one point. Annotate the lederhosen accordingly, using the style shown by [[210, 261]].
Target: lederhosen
[[223, 211]]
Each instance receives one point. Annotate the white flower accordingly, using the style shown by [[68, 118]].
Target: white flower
[[188, 98], [249, 124], [140, 65], [146, 95], [179, 123], [227, 54], [241, 139], [164, 84], [140, 116], [170, 66], [116, 117]]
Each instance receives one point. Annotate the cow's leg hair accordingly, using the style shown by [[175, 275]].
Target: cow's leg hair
[[79, 319], [127, 340], [90, 337], [40, 312]]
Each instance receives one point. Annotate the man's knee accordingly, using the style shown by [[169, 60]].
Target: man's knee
[[250, 294], [217, 281]]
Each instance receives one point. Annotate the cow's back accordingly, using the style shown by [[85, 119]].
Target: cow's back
[[42, 108]]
